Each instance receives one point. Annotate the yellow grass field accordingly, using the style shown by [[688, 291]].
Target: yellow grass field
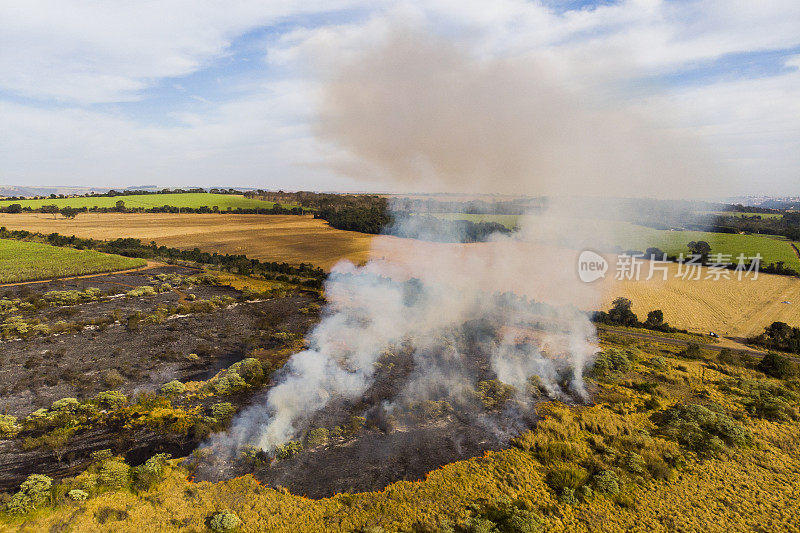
[[286, 238], [727, 307]]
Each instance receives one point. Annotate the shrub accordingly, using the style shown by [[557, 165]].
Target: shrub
[[228, 384], [585, 493], [692, 351], [78, 495], [111, 399], [114, 474], [567, 496], [612, 360], [37, 486], [249, 369], [285, 451], [222, 410], [224, 521], [570, 476], [317, 437], [146, 475], [494, 393], [32, 492], [65, 405], [634, 462], [173, 387], [701, 429], [777, 366], [144, 290], [112, 378], [767, 400], [606, 482], [728, 357], [8, 426]]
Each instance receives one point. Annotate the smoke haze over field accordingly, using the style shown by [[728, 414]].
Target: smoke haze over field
[[422, 113]]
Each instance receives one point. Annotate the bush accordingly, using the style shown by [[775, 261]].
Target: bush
[[635, 463], [112, 378], [174, 387], [222, 410], [113, 474], [317, 437], [494, 393], [777, 366], [32, 492], [612, 360], [111, 399], [701, 429], [224, 521], [78, 495], [228, 384], [146, 475], [728, 357], [65, 405], [144, 290], [249, 369], [285, 451], [606, 482], [769, 400], [8, 426], [692, 351], [570, 476]]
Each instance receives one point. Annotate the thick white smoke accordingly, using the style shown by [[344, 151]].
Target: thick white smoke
[[375, 308], [420, 112]]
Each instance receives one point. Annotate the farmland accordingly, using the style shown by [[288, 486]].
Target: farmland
[[24, 261], [147, 201], [290, 238], [610, 235], [728, 307]]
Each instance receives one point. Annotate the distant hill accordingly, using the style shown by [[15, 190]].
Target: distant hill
[[16, 190]]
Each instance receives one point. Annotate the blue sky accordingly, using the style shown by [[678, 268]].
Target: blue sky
[[227, 93]]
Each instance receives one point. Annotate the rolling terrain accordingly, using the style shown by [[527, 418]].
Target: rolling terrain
[[726, 306], [193, 200]]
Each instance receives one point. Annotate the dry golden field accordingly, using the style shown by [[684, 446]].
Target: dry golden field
[[289, 238], [727, 307]]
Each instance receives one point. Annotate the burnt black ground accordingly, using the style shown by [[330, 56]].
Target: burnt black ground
[[37, 371]]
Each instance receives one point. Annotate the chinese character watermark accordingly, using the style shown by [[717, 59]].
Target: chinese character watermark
[[637, 267]]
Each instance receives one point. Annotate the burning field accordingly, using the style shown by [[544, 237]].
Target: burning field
[[404, 373]]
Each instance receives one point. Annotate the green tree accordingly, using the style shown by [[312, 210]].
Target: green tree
[[655, 319], [69, 212], [50, 209], [621, 313], [701, 248]]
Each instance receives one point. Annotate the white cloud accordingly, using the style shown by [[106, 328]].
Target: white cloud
[[87, 52], [77, 53]]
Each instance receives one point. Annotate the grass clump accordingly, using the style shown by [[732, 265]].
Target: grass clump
[[224, 521]]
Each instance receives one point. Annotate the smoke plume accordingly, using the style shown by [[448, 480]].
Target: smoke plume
[[420, 113]]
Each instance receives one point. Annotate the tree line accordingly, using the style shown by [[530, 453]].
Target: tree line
[[621, 314]]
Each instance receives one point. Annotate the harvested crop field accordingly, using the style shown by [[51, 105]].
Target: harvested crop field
[[284, 238], [29, 261], [727, 307]]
